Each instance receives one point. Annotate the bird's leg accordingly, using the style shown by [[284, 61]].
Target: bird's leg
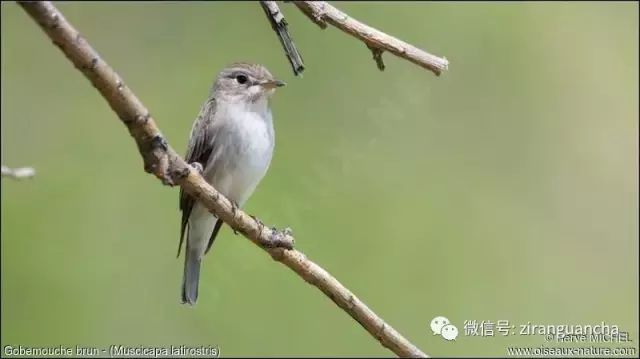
[[258, 221], [260, 224], [234, 209], [197, 166]]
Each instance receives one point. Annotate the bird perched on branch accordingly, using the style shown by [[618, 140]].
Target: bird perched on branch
[[231, 144]]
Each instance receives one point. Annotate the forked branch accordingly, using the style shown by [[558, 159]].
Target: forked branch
[[321, 13]]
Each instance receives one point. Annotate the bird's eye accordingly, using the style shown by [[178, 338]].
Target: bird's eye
[[242, 79]]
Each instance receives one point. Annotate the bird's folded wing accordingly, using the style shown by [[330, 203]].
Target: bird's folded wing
[[202, 145]]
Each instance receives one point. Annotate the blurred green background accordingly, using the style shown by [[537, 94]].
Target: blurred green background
[[506, 189]]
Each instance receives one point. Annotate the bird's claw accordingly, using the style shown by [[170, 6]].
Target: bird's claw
[[234, 209], [281, 238], [257, 220], [287, 231], [197, 166]]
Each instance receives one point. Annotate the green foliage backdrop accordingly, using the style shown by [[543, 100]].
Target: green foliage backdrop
[[506, 189]]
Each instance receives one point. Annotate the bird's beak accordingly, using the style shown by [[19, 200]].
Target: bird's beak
[[270, 84]]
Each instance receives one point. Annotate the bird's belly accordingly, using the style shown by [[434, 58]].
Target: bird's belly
[[245, 176], [249, 163]]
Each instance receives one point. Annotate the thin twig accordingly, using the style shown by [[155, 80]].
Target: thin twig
[[18, 173], [321, 13], [161, 160], [279, 25]]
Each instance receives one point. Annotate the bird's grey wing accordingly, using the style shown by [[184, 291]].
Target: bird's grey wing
[[201, 148]]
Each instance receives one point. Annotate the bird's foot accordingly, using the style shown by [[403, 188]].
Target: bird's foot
[[258, 221], [281, 238], [234, 209], [197, 166]]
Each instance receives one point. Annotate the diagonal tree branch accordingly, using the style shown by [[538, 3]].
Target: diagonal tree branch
[[18, 173], [161, 160], [279, 25], [321, 13]]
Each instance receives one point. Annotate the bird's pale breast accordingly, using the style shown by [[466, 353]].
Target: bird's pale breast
[[252, 138]]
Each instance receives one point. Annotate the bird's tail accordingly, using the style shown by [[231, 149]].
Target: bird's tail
[[191, 276]]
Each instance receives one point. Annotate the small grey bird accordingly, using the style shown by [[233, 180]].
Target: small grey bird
[[231, 143]]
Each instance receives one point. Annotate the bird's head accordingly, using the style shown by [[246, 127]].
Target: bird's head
[[245, 82]]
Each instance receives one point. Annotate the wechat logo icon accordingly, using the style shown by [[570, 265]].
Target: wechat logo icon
[[443, 327]]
